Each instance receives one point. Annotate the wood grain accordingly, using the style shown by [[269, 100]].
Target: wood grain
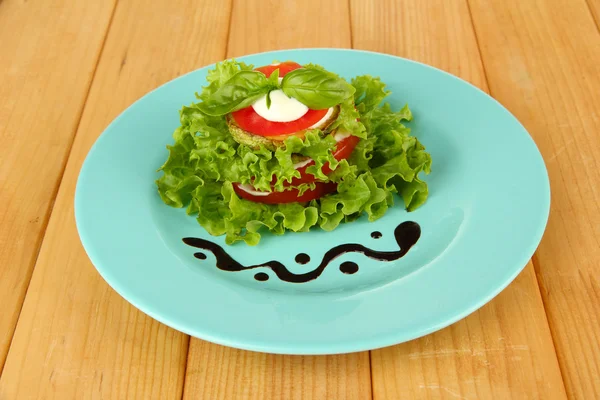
[[222, 373], [47, 59], [277, 25], [504, 350], [76, 338], [544, 66], [216, 372]]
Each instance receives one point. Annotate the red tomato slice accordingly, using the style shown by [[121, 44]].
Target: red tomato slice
[[288, 196], [283, 67], [344, 149], [250, 121]]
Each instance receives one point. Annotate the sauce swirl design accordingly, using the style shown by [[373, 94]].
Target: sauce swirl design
[[406, 235], [349, 267]]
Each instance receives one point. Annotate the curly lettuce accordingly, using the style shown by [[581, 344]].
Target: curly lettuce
[[205, 160]]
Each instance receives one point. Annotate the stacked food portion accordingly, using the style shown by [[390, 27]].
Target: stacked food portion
[[289, 147]]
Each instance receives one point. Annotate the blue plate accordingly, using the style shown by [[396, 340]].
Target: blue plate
[[486, 213]]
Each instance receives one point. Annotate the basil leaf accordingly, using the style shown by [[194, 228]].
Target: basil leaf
[[274, 78], [316, 88], [240, 91]]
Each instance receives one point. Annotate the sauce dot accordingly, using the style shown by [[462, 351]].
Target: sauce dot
[[349, 267], [200, 256], [261, 276], [302, 258], [376, 235]]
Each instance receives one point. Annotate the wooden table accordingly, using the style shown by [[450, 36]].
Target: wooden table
[[67, 68]]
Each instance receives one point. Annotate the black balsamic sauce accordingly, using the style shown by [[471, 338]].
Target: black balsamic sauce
[[376, 235], [406, 234], [349, 267], [302, 258], [200, 256], [261, 276]]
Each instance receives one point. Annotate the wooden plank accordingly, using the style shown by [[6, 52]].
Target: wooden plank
[[544, 64], [76, 338], [505, 349], [216, 372], [48, 56]]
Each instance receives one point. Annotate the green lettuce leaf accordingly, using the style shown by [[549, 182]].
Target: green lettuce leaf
[[204, 161], [349, 120], [370, 92], [220, 74]]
